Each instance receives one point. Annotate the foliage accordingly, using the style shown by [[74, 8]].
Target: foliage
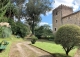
[[43, 31], [3, 45], [21, 29], [18, 2], [34, 9], [13, 25], [67, 36], [47, 30], [5, 32], [3, 7], [10, 8], [18, 9], [11, 11], [3, 19], [7, 9], [34, 39], [51, 38], [4, 42]]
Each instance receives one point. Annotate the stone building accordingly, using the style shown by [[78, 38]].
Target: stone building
[[64, 15]]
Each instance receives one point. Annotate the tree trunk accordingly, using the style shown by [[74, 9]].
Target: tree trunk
[[67, 52], [33, 26]]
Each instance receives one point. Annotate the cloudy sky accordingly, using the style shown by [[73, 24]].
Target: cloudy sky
[[75, 4]]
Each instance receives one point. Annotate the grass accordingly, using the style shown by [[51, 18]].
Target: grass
[[54, 48], [10, 40]]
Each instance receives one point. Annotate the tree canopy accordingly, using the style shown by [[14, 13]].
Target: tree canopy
[[3, 7], [7, 9], [34, 8], [68, 37], [43, 30]]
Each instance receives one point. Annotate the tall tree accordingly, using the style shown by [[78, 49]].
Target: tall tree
[[34, 8], [7, 9], [18, 2], [3, 7], [19, 5], [11, 11]]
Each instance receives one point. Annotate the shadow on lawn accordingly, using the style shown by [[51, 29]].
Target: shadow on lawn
[[60, 55], [55, 55], [46, 56]]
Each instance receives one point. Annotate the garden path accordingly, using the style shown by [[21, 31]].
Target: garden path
[[77, 54], [23, 49]]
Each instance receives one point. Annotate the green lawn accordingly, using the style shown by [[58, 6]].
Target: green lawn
[[10, 40], [54, 48]]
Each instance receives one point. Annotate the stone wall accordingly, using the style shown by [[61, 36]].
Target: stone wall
[[57, 15], [56, 19], [72, 19], [66, 10]]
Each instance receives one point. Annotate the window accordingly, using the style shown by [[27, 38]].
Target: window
[[55, 29], [56, 21], [56, 13]]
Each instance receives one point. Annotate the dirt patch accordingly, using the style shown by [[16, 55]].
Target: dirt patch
[[23, 49]]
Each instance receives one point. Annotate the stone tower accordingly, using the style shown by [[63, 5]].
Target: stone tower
[[57, 15]]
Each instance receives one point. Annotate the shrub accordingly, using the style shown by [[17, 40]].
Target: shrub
[[34, 39], [51, 38], [13, 25], [5, 32], [18, 28], [68, 37], [38, 36], [21, 29], [43, 31]]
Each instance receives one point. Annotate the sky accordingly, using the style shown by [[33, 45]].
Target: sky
[[75, 4]]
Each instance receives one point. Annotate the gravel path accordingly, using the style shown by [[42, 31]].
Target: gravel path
[[77, 54], [22, 52], [23, 49]]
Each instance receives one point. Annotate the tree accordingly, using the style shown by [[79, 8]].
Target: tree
[[3, 7], [68, 37], [20, 29], [20, 9], [11, 11], [13, 25], [18, 2], [46, 30], [43, 30], [7, 10], [34, 8]]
